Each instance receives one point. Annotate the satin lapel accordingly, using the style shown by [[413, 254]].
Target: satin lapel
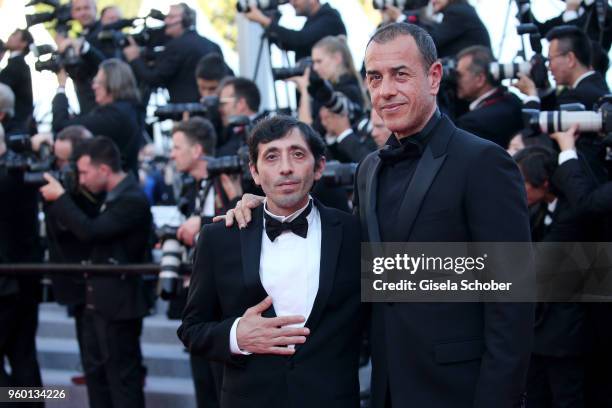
[[370, 204], [426, 171], [331, 241], [250, 243]]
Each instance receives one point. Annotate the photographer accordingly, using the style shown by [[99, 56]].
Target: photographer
[[343, 143], [489, 101], [115, 305], [237, 97], [110, 14], [209, 73], [174, 67], [19, 243], [321, 21], [119, 114], [87, 50], [335, 83], [569, 56], [17, 76], [193, 141]]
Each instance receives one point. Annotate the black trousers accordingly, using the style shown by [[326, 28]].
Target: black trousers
[[18, 324], [555, 382], [207, 376], [112, 361]]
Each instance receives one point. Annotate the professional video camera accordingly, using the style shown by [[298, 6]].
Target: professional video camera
[[208, 107], [323, 92], [281, 74], [401, 4], [244, 6], [48, 59], [599, 121], [338, 174], [173, 254], [61, 14]]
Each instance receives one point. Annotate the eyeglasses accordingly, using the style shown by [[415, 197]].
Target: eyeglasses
[[551, 58], [229, 99]]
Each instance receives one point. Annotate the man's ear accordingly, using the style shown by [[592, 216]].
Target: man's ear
[[435, 77], [319, 167], [254, 173]]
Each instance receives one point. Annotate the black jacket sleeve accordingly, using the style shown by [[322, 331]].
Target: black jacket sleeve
[[581, 190]]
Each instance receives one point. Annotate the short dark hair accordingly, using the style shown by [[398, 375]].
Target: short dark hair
[[199, 131], [101, 150], [277, 127], [211, 67], [244, 88], [76, 135], [423, 40], [537, 164], [572, 39], [482, 57], [27, 37]]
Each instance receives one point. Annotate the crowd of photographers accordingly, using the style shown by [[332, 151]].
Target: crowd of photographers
[[95, 176]]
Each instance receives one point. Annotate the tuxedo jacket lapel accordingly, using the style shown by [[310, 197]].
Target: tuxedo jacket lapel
[[250, 243], [371, 218]]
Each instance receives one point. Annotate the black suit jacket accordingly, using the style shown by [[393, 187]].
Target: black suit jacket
[[17, 76], [323, 371], [441, 355], [350, 150], [460, 28], [122, 121], [497, 118], [326, 21], [175, 67], [120, 234]]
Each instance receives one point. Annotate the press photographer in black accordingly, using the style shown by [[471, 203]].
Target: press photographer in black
[[237, 97], [174, 67], [88, 50], [209, 73], [321, 21], [569, 56], [119, 114], [490, 102], [17, 76], [114, 305]]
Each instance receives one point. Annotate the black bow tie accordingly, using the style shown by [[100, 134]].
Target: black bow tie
[[299, 226], [394, 154]]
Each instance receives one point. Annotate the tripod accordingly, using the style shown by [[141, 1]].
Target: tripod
[[265, 41]]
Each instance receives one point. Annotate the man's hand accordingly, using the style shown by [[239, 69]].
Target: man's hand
[[572, 5], [567, 139], [526, 85], [132, 51], [38, 139], [392, 13], [334, 123], [302, 82], [53, 189], [189, 229], [242, 212], [258, 16], [261, 335], [231, 185], [62, 43]]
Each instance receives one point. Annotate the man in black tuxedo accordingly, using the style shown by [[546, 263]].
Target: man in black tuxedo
[[433, 182], [114, 305], [569, 56], [282, 312], [174, 67], [495, 113], [17, 76]]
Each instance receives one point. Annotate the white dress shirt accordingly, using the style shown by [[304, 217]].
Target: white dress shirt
[[289, 270]]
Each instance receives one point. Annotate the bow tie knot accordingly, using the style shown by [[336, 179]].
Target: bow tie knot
[[298, 226]]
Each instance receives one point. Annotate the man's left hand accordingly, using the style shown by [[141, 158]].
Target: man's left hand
[[53, 189], [189, 229], [132, 51]]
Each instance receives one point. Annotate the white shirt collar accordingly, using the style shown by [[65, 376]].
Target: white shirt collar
[[481, 98], [581, 77], [15, 54], [289, 217]]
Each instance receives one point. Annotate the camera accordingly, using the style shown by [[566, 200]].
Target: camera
[[323, 92], [68, 176], [55, 61], [281, 74], [20, 157], [338, 174], [599, 121], [237, 164], [173, 253], [401, 4], [61, 14], [146, 37], [208, 107], [244, 6]]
